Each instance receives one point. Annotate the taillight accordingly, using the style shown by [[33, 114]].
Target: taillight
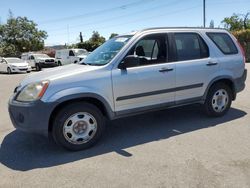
[[242, 51]]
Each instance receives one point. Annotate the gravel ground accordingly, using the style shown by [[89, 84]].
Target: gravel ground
[[178, 147]]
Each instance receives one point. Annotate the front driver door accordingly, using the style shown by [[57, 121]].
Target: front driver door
[[148, 85]]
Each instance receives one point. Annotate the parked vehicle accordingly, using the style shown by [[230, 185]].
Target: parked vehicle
[[14, 65], [68, 56], [152, 69], [39, 61]]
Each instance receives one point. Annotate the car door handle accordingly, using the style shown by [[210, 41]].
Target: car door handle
[[211, 63], [166, 69]]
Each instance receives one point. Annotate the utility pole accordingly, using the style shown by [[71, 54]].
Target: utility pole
[[204, 13], [68, 33]]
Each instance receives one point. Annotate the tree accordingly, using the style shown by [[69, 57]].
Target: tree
[[95, 41], [211, 25], [113, 35], [20, 35], [97, 38], [237, 22], [81, 38]]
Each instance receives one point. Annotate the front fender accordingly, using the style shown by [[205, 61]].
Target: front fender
[[79, 92]]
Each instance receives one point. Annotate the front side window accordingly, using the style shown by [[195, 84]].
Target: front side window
[[224, 42], [151, 49], [106, 52], [190, 46]]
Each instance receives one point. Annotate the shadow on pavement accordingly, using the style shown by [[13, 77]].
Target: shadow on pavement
[[21, 151]]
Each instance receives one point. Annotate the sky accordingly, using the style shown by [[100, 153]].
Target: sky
[[64, 20]]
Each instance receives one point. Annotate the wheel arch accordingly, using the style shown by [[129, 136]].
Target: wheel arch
[[94, 99], [223, 79]]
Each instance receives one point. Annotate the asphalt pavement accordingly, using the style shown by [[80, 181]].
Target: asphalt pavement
[[178, 147]]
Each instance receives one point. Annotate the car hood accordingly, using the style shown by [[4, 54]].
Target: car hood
[[19, 64], [82, 56], [61, 72]]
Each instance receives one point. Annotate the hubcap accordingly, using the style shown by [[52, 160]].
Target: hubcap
[[80, 128], [220, 100]]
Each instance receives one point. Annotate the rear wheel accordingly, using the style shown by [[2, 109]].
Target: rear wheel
[[59, 63], [78, 126], [9, 70], [218, 100]]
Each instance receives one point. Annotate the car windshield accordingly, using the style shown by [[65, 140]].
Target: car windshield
[[14, 60], [80, 52], [106, 52], [40, 55]]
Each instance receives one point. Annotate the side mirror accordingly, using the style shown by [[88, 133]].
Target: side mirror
[[129, 61]]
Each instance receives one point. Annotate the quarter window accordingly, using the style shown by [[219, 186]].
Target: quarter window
[[190, 46], [224, 42]]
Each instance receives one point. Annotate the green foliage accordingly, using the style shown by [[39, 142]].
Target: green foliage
[[211, 25], [243, 36], [20, 35], [113, 35], [236, 22], [95, 41]]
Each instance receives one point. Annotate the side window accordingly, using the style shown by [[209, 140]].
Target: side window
[[190, 46], [71, 53], [224, 42], [32, 57], [151, 49]]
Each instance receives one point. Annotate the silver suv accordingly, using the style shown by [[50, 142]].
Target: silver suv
[[148, 70]]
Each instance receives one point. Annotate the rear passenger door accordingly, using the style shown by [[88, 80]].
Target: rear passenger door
[[194, 66]]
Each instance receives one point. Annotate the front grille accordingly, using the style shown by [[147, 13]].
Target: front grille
[[23, 69], [49, 60]]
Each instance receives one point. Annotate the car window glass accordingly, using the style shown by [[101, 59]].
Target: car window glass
[[71, 53], [223, 42], [190, 46], [150, 49], [32, 57]]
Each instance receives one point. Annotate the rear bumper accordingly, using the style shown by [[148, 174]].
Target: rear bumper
[[240, 82]]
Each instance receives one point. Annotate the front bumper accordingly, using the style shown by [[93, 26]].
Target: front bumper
[[240, 82], [20, 70], [30, 117], [47, 65]]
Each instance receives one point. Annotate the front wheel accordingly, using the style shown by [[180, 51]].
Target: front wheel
[[218, 100], [9, 70], [38, 68], [78, 126]]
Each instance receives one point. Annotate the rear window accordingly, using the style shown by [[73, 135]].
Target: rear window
[[224, 42]]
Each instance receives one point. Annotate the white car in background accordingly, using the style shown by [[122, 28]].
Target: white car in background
[[68, 56], [14, 65]]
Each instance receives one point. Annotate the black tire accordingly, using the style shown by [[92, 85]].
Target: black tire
[[65, 113], [75, 62], [9, 70], [208, 105], [38, 68], [59, 63], [28, 71]]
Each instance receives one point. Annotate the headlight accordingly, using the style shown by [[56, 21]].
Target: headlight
[[41, 61], [33, 91], [13, 66]]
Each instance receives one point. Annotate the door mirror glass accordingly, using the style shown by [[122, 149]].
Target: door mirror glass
[[129, 61]]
